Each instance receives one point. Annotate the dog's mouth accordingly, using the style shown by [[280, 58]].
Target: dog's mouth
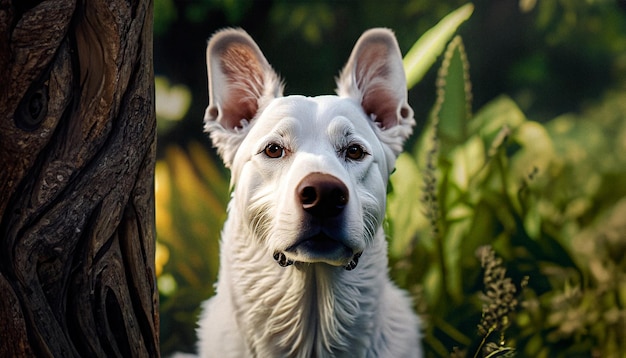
[[319, 248]]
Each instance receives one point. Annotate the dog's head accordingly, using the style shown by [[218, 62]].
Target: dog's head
[[309, 173]]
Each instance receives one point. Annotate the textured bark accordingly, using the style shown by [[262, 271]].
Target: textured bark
[[77, 149]]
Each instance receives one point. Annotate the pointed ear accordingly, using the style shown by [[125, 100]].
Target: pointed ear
[[374, 76], [241, 82]]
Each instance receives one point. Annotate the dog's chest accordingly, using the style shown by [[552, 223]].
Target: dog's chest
[[306, 327], [303, 311]]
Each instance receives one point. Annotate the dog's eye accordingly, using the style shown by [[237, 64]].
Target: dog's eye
[[355, 152], [274, 150]]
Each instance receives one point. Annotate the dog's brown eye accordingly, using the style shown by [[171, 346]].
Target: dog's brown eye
[[274, 150], [355, 152]]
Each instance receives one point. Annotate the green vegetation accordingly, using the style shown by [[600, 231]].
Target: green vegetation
[[509, 232], [535, 192]]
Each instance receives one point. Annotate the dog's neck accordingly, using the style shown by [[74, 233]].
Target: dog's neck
[[302, 310]]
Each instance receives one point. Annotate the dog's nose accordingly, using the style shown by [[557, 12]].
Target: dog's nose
[[322, 195]]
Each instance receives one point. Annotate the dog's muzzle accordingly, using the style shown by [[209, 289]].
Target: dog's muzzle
[[283, 261], [322, 199]]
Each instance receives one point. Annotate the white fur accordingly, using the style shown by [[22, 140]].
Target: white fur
[[315, 307]]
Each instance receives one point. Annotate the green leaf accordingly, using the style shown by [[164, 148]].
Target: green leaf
[[536, 152], [455, 234], [431, 44], [452, 109], [468, 160], [499, 113], [404, 209]]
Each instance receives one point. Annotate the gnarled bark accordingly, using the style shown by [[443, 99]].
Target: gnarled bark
[[77, 148]]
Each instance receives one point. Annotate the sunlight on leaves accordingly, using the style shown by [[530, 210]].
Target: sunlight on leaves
[[172, 102], [407, 214], [432, 43], [191, 191]]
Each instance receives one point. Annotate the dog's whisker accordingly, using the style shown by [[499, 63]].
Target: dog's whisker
[[258, 210]]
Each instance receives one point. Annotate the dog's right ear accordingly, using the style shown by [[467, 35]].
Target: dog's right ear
[[241, 82], [374, 77]]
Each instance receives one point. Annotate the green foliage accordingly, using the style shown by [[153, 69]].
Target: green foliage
[[191, 196], [164, 15], [166, 11], [172, 102], [548, 197], [425, 51], [499, 302], [312, 19]]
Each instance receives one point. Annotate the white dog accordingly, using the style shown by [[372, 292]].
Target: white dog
[[303, 270]]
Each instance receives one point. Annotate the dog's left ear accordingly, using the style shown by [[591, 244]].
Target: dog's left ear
[[374, 76], [241, 82]]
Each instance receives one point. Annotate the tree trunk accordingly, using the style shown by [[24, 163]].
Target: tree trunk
[[77, 151]]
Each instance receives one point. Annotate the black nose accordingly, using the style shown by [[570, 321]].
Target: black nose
[[322, 195]]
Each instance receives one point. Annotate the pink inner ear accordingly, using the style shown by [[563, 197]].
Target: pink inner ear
[[373, 78], [381, 105], [244, 76]]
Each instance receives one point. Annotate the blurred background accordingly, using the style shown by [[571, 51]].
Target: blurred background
[[534, 167]]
